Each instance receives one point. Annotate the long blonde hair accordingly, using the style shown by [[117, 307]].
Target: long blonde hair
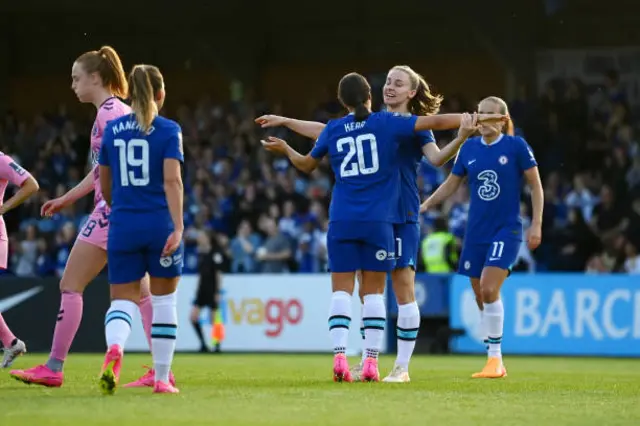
[[145, 81]]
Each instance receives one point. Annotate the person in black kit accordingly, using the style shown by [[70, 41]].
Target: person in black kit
[[212, 261]]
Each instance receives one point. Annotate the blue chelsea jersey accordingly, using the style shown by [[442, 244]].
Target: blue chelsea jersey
[[409, 158], [364, 159], [495, 173], [137, 169]]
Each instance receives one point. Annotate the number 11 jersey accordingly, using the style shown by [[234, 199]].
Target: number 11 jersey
[[363, 156], [136, 160]]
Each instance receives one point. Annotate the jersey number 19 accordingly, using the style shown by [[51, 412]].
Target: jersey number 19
[[355, 147], [133, 156]]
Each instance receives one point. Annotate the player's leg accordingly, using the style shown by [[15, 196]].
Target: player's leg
[[499, 259], [343, 264], [12, 346], [126, 270], [164, 273], [357, 368], [407, 239], [477, 291], [377, 260], [146, 310], [204, 297], [85, 262]]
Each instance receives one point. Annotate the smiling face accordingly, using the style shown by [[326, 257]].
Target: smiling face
[[398, 89]]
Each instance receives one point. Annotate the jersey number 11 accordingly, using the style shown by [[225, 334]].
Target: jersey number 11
[[131, 156]]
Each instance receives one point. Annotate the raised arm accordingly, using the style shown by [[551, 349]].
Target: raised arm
[[304, 163], [439, 157], [309, 129], [451, 121]]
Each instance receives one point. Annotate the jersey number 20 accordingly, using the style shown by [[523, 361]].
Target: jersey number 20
[[355, 147], [131, 156]]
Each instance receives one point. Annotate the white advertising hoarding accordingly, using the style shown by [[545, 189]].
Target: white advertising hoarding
[[264, 313]]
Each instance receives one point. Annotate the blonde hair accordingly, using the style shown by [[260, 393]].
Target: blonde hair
[[108, 65], [503, 108], [424, 102], [145, 82]]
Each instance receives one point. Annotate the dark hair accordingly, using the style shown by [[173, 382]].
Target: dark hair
[[145, 82], [354, 91], [107, 64], [508, 128], [424, 102]]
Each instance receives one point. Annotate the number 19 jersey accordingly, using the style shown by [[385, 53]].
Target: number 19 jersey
[[137, 167], [140, 221], [363, 156]]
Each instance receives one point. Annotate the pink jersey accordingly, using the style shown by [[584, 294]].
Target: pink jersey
[[110, 109], [10, 171]]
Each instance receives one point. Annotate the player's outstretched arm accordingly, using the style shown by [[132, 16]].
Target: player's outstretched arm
[[443, 192], [27, 189], [304, 163], [74, 194], [451, 121], [438, 157], [309, 129], [534, 237], [105, 183]]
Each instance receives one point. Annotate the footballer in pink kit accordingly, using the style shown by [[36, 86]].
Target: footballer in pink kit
[[98, 78], [10, 171]]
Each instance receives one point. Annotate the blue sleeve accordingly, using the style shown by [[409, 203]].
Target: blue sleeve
[[173, 148], [402, 125], [524, 155], [107, 140], [458, 166], [425, 137], [321, 148]]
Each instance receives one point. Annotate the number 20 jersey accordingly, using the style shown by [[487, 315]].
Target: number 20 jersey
[[495, 174], [136, 161], [364, 159]]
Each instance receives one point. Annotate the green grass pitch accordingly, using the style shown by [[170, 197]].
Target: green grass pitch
[[234, 389]]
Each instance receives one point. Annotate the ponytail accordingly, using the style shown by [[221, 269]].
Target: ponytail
[[508, 128], [361, 112], [108, 65], [145, 81]]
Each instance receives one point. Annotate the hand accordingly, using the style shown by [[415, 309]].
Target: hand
[[266, 121], [52, 207], [273, 144], [425, 206], [468, 125], [493, 118], [172, 244], [534, 236]]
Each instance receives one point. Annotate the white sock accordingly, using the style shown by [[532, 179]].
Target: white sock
[[494, 320], [164, 331], [339, 320], [364, 351], [117, 322], [407, 332], [374, 317], [483, 330]]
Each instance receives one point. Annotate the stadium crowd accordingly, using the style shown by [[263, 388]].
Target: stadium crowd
[[271, 218]]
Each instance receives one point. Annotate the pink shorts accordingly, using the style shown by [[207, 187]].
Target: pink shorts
[[96, 229], [4, 253]]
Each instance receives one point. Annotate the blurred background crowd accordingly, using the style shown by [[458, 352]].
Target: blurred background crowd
[[271, 218]]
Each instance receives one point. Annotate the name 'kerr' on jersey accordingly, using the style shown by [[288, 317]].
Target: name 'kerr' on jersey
[[136, 160], [363, 156], [495, 175]]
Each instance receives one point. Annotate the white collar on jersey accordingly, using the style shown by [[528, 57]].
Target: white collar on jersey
[[494, 142]]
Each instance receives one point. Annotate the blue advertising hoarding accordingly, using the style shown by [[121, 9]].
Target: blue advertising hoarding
[[432, 295], [556, 314]]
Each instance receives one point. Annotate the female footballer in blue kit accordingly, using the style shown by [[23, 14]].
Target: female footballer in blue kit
[[140, 173], [495, 164], [405, 92], [362, 150]]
